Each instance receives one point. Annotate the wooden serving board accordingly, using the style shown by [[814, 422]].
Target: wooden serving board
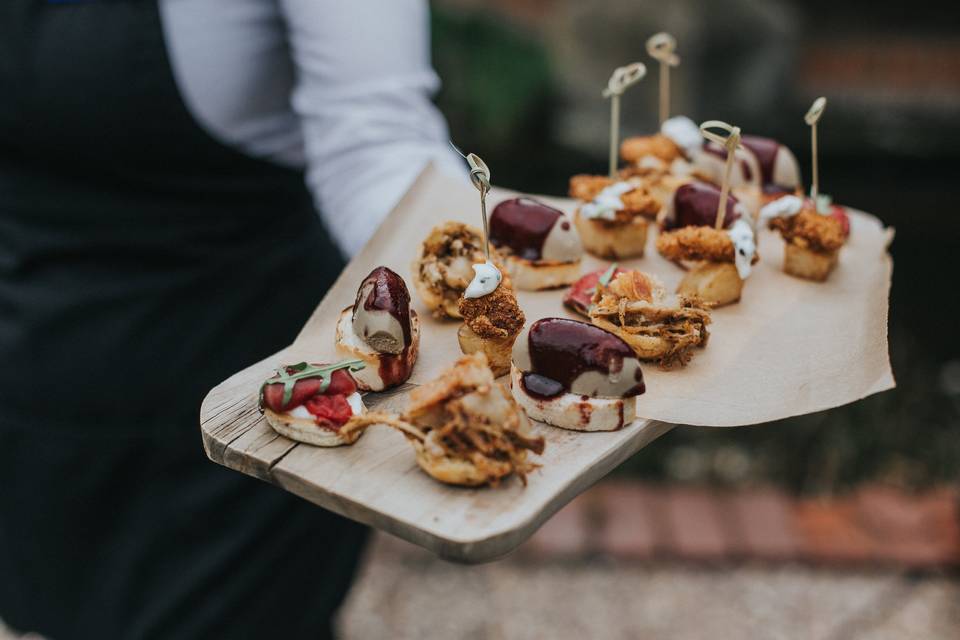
[[788, 347], [377, 482]]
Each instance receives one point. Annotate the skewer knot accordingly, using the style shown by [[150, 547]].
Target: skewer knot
[[623, 77]]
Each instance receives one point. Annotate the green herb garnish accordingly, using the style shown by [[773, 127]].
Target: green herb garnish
[[289, 375], [607, 275]]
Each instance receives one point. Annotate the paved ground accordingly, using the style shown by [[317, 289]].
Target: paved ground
[[628, 560], [404, 592]]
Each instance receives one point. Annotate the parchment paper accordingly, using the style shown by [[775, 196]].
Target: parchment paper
[[789, 347]]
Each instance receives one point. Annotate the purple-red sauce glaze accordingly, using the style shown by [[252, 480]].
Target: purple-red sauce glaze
[[523, 224], [695, 205], [389, 293], [561, 350], [764, 150]]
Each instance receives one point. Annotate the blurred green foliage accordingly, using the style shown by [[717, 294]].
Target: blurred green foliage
[[499, 96]]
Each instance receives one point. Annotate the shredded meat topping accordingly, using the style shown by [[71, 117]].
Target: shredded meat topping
[[811, 230], [466, 414], [496, 315], [633, 306]]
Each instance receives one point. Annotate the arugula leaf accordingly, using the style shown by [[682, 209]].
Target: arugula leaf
[[607, 275]]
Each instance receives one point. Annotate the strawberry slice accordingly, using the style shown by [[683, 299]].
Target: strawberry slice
[[580, 293], [840, 214], [331, 411], [341, 383]]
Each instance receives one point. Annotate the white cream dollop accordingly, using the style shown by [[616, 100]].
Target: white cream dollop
[[606, 204], [744, 246], [684, 132], [781, 208], [485, 281]]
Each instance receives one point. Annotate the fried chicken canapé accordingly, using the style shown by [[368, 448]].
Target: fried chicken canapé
[[490, 325], [614, 215]]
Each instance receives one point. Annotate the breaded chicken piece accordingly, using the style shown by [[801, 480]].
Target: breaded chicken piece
[[657, 145], [811, 230], [496, 315], [637, 201], [696, 243]]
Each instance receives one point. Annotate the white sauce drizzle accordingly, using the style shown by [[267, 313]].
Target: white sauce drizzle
[[485, 281], [781, 208], [744, 247], [607, 202], [684, 132]]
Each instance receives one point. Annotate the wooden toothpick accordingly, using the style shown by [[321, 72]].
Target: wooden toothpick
[[661, 47], [812, 118], [730, 143], [480, 176], [621, 78]]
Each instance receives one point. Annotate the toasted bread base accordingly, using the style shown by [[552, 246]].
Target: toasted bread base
[[397, 368], [612, 242], [573, 411], [498, 352], [458, 471], [716, 282], [535, 275], [808, 264], [306, 430]]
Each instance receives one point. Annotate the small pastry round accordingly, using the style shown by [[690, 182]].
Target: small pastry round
[[613, 220], [537, 243], [713, 282], [576, 376], [381, 330], [443, 269], [812, 239], [310, 403]]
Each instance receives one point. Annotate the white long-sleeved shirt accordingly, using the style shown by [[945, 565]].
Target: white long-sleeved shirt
[[339, 88]]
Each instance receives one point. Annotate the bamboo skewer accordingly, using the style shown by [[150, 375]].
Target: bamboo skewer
[[480, 176], [812, 118], [730, 143], [661, 47], [620, 80]]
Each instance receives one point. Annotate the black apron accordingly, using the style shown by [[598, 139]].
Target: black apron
[[141, 263]]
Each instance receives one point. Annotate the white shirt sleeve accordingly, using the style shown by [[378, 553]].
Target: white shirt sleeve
[[362, 91]]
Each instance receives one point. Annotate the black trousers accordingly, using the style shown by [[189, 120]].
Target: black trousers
[[143, 537]]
